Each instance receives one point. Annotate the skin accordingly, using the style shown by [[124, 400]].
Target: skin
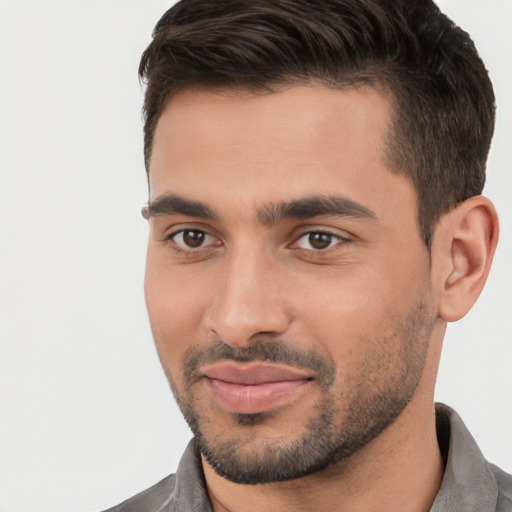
[[256, 278]]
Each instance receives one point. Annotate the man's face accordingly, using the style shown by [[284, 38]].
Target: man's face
[[287, 284]]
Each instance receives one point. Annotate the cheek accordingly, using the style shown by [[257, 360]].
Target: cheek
[[175, 305], [356, 314]]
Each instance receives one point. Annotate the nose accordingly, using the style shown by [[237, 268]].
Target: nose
[[248, 300]]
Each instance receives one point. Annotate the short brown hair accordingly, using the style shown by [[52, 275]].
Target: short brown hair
[[443, 97]]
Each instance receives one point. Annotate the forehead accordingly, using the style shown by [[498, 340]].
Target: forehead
[[257, 148]]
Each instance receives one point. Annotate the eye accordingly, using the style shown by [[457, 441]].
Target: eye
[[317, 241], [190, 239]]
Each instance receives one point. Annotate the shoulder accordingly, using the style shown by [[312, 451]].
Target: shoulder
[[504, 481], [153, 499], [470, 482], [185, 490]]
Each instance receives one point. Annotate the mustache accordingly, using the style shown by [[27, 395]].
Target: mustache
[[271, 351]]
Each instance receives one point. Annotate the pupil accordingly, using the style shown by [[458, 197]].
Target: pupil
[[193, 238], [320, 240]]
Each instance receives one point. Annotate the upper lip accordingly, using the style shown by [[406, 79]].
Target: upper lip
[[253, 373]]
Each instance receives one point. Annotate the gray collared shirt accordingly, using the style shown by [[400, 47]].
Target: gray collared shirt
[[470, 483]]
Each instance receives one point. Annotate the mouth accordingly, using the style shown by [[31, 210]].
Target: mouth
[[250, 388]]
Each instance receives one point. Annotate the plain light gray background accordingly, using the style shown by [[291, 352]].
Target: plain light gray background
[[86, 418]]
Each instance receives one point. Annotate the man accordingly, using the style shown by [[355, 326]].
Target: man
[[315, 171]]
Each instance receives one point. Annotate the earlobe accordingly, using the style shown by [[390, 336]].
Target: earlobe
[[462, 252]]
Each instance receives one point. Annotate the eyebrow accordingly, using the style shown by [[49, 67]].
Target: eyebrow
[[171, 204], [314, 206], [272, 213]]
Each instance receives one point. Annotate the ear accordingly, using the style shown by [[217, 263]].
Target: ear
[[462, 251]]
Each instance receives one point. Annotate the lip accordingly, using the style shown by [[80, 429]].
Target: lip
[[249, 388]]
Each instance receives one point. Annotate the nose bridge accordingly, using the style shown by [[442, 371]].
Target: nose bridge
[[247, 301]]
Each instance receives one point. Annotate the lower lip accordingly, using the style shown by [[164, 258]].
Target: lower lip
[[251, 399]]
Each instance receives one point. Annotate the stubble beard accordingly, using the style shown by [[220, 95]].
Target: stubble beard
[[345, 419]]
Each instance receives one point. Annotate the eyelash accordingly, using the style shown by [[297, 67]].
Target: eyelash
[[184, 249], [331, 236], [171, 238]]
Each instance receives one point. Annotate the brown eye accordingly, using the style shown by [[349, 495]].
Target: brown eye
[[189, 239], [194, 239], [317, 241]]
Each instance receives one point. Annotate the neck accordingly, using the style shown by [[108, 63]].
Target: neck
[[400, 470]]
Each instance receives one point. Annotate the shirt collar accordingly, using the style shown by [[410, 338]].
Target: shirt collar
[[468, 483], [190, 488]]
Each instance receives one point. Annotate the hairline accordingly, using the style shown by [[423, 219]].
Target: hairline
[[362, 80]]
